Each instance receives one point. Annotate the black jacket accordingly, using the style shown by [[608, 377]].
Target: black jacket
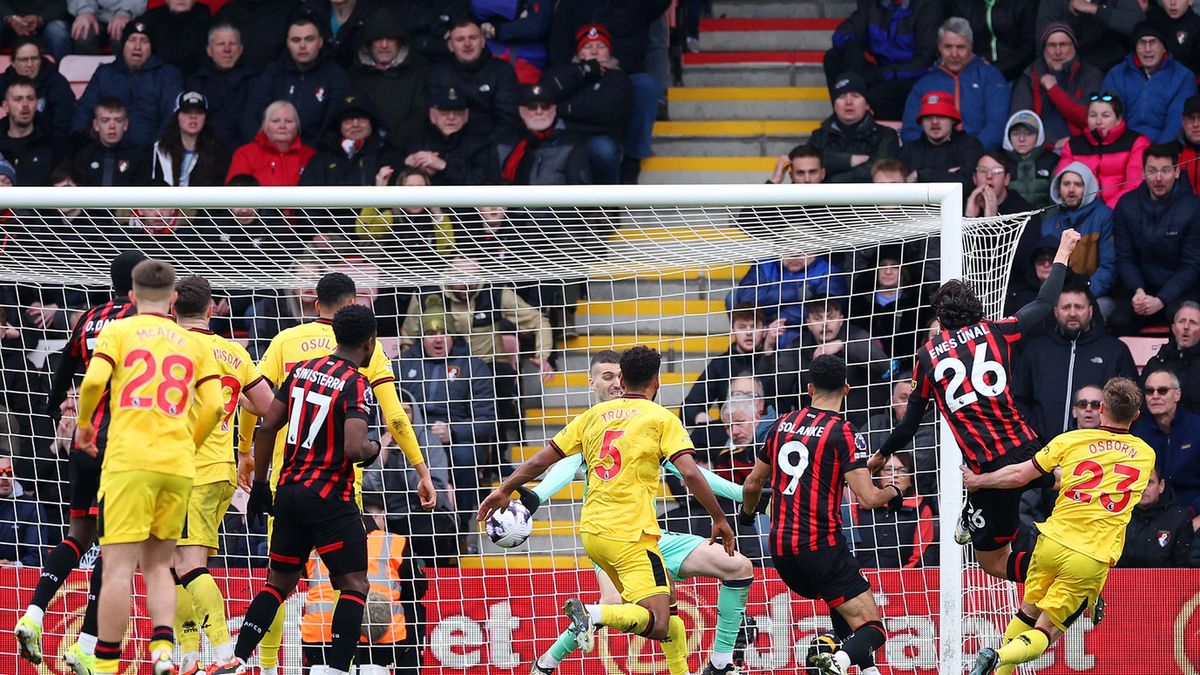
[[317, 93], [490, 85], [838, 142], [588, 102], [181, 38], [56, 101], [227, 92], [1185, 363], [1158, 241], [1102, 38], [711, 388], [1160, 535], [34, 156], [924, 447], [428, 22], [1053, 367], [1004, 33], [554, 158], [470, 156], [895, 538], [628, 21], [346, 41], [263, 25], [1183, 34], [457, 389], [398, 92], [899, 325], [867, 368], [896, 34], [331, 165], [126, 161], [932, 162]]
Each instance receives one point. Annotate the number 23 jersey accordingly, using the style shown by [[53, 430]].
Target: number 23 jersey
[[624, 442]]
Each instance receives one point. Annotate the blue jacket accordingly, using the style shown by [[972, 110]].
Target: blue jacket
[[56, 101], [982, 96], [889, 31], [149, 94], [317, 94], [227, 92], [23, 536], [780, 293], [458, 389], [1153, 104], [1093, 221], [1178, 454], [1158, 241]]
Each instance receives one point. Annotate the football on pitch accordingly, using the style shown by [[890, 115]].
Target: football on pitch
[[511, 527]]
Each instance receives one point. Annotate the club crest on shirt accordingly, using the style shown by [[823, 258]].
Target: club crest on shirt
[[319, 94], [1164, 538], [452, 373], [122, 166], [1181, 36]]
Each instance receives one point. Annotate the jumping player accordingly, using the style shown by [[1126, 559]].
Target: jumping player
[[809, 457]]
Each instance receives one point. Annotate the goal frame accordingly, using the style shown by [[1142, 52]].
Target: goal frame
[[947, 196]]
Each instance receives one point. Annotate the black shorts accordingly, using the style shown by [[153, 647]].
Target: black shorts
[[304, 520], [993, 516], [397, 654], [83, 471], [829, 574]]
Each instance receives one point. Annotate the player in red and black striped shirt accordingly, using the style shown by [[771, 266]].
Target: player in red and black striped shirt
[[83, 471], [809, 457], [326, 405], [965, 368]]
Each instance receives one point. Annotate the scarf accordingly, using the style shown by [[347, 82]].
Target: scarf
[[513, 163]]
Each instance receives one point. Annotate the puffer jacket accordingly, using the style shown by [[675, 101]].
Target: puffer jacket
[[837, 143], [1178, 454], [316, 92], [227, 92], [149, 94], [933, 162], [1114, 158], [261, 159], [1002, 31], [1159, 535], [1185, 363], [1154, 102], [457, 389], [56, 101], [893, 32], [398, 90], [895, 538], [1158, 242], [591, 103], [333, 166], [980, 93], [1095, 255], [552, 157], [1063, 108], [490, 85], [1032, 172]]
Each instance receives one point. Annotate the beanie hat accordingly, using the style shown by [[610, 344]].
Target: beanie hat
[[6, 169]]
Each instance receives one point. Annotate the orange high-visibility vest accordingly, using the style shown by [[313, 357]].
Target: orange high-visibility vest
[[385, 554]]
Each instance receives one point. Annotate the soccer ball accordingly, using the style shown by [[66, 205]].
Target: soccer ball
[[511, 527], [825, 643]]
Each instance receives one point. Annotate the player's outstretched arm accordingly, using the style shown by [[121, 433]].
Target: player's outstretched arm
[[721, 487], [211, 401], [703, 494], [90, 390], [357, 446], [752, 491], [902, 433], [64, 378], [1034, 313], [1011, 476], [529, 469], [869, 496], [561, 474], [257, 398], [402, 433]]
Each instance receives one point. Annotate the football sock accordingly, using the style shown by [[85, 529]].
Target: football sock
[[561, 649], [209, 608], [346, 627], [841, 627], [186, 630], [731, 610], [675, 646], [64, 558], [862, 644], [1020, 623], [87, 643], [108, 657], [627, 618], [268, 653], [1016, 568], [162, 639], [90, 621], [1025, 647], [259, 615]]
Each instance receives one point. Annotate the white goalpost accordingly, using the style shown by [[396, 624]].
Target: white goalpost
[[530, 282]]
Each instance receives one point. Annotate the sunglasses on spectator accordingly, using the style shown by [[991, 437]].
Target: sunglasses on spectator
[[1161, 391], [6, 471], [538, 106], [1107, 98], [1085, 403]]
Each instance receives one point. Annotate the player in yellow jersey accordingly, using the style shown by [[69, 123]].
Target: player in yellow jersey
[[166, 399], [624, 442], [1104, 472], [198, 599], [307, 341]]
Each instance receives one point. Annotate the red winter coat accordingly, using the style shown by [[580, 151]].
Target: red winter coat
[[1116, 159], [261, 159]]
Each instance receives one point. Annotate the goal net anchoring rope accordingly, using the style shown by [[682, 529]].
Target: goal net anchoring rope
[[558, 273]]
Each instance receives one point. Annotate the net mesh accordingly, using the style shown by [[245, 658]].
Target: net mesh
[[532, 293]]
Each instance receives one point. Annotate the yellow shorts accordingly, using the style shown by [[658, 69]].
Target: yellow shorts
[[635, 567], [206, 508], [1063, 582], [135, 505]]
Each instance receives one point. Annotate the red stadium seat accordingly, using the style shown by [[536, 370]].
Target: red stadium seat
[[79, 69], [1143, 348]]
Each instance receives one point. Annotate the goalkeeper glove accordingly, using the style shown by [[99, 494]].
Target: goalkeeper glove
[[529, 499], [260, 501]]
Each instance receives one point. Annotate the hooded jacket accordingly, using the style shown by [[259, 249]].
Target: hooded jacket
[[1185, 363], [552, 157], [1054, 366], [1115, 159], [316, 92], [1158, 241], [1159, 535], [769, 286], [333, 165], [456, 389], [261, 159], [428, 21], [490, 86], [1032, 172], [837, 142], [1063, 108], [470, 156], [33, 156], [227, 92], [1102, 39], [149, 94], [893, 33], [628, 21], [180, 38], [981, 95], [263, 24], [591, 103], [1178, 454], [343, 43], [1095, 255], [933, 162], [56, 100], [1154, 102], [397, 90], [1001, 29]]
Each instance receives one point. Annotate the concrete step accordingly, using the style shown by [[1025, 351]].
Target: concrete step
[[769, 138], [766, 9], [735, 35], [754, 75], [574, 401], [748, 103], [699, 345], [708, 170]]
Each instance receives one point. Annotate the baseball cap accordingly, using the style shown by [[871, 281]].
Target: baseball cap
[[1027, 119], [535, 93], [191, 99], [434, 322], [447, 98], [939, 103]]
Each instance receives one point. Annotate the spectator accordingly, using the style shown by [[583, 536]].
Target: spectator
[[161, 233], [1075, 189], [1025, 148], [1077, 352], [1056, 86], [225, 81], [180, 29], [1152, 86], [1158, 245], [900, 536], [923, 446], [352, 151], [890, 46], [68, 230], [802, 166], [1177, 18], [458, 403], [37, 21], [516, 32], [593, 96], [25, 139], [979, 91], [1160, 532], [1102, 29], [488, 84], [56, 101], [779, 288], [542, 153], [1085, 411], [742, 385], [23, 535], [147, 84], [734, 459], [1174, 433], [1002, 31], [423, 233], [1189, 143], [1112, 151], [276, 156], [745, 354], [111, 159], [428, 23], [342, 24], [1027, 277], [629, 23], [100, 23], [306, 76], [449, 152], [1179, 353], [189, 153], [889, 170], [393, 76], [991, 196], [266, 21], [888, 302], [942, 153], [849, 140]]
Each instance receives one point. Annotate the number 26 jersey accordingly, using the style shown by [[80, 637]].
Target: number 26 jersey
[[967, 370]]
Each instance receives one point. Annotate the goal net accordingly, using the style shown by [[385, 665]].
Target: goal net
[[491, 304]]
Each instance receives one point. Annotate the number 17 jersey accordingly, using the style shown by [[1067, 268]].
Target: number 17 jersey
[[967, 371]]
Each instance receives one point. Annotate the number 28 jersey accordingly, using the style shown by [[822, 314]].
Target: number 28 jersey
[[967, 370]]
